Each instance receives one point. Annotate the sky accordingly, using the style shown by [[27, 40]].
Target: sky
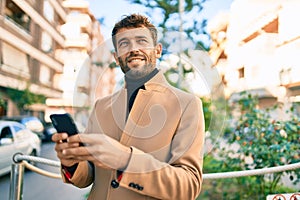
[[114, 10]]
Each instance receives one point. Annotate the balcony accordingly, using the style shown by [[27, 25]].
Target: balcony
[[294, 89], [59, 55], [83, 20], [266, 22], [80, 5], [82, 41]]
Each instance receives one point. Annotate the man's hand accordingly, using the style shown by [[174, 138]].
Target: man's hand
[[102, 150], [61, 146]]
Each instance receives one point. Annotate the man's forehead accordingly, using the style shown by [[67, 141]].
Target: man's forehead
[[133, 32]]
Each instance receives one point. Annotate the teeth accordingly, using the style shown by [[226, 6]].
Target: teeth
[[135, 60]]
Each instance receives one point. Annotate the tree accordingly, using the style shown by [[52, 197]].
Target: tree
[[169, 20]]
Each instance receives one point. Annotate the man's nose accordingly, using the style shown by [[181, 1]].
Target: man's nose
[[134, 47]]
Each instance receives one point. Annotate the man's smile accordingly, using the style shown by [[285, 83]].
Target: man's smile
[[135, 59]]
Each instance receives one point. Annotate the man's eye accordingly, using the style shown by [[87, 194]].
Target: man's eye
[[142, 41], [123, 44]]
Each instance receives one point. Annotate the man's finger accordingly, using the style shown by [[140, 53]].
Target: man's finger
[[86, 138], [57, 137], [60, 146], [64, 145], [77, 151]]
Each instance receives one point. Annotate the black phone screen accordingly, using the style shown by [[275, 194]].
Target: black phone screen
[[64, 123]]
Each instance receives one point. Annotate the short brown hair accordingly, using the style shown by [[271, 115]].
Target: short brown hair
[[134, 21]]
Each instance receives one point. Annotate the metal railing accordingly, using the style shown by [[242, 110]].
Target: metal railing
[[21, 161]]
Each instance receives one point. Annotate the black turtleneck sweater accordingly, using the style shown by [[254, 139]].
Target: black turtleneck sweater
[[133, 86]]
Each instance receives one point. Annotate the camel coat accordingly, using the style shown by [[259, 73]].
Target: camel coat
[[165, 130]]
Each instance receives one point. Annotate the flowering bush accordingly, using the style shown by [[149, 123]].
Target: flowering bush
[[260, 141]]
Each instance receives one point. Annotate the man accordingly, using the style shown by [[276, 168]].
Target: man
[[144, 141]]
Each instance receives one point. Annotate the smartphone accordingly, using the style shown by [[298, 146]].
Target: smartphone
[[64, 123]]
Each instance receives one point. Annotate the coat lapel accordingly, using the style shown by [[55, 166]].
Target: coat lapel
[[118, 105], [156, 85]]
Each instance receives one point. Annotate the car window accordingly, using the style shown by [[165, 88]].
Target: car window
[[6, 132], [17, 128], [20, 132]]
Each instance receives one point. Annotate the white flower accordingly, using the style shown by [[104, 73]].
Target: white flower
[[283, 133]]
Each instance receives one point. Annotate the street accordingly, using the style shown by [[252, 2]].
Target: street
[[38, 187]]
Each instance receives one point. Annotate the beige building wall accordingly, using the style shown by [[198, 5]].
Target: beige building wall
[[258, 52]]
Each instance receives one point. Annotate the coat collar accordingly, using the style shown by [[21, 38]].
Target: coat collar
[[157, 83]]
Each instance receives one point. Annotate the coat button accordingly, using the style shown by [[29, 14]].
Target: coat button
[[141, 188], [131, 184], [114, 184]]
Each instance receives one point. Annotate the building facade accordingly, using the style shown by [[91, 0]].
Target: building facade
[[255, 48], [28, 41], [44, 46]]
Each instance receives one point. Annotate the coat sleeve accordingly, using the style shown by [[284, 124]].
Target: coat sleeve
[[181, 177], [84, 173], [83, 176]]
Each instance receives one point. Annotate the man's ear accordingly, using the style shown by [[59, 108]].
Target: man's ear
[[116, 58], [158, 50]]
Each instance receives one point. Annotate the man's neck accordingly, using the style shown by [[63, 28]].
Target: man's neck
[[137, 82]]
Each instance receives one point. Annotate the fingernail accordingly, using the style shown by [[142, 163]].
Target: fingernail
[[63, 152]]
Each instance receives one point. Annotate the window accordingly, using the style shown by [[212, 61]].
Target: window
[[20, 133], [48, 11], [15, 61], [17, 15], [46, 44], [6, 132], [17, 128], [241, 72], [44, 74]]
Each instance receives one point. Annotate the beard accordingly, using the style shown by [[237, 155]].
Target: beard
[[139, 71]]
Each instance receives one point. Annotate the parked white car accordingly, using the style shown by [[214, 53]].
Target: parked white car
[[14, 138]]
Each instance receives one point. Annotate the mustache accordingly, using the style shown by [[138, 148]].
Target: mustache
[[133, 55]]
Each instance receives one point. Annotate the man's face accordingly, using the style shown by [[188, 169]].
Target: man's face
[[135, 51]]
